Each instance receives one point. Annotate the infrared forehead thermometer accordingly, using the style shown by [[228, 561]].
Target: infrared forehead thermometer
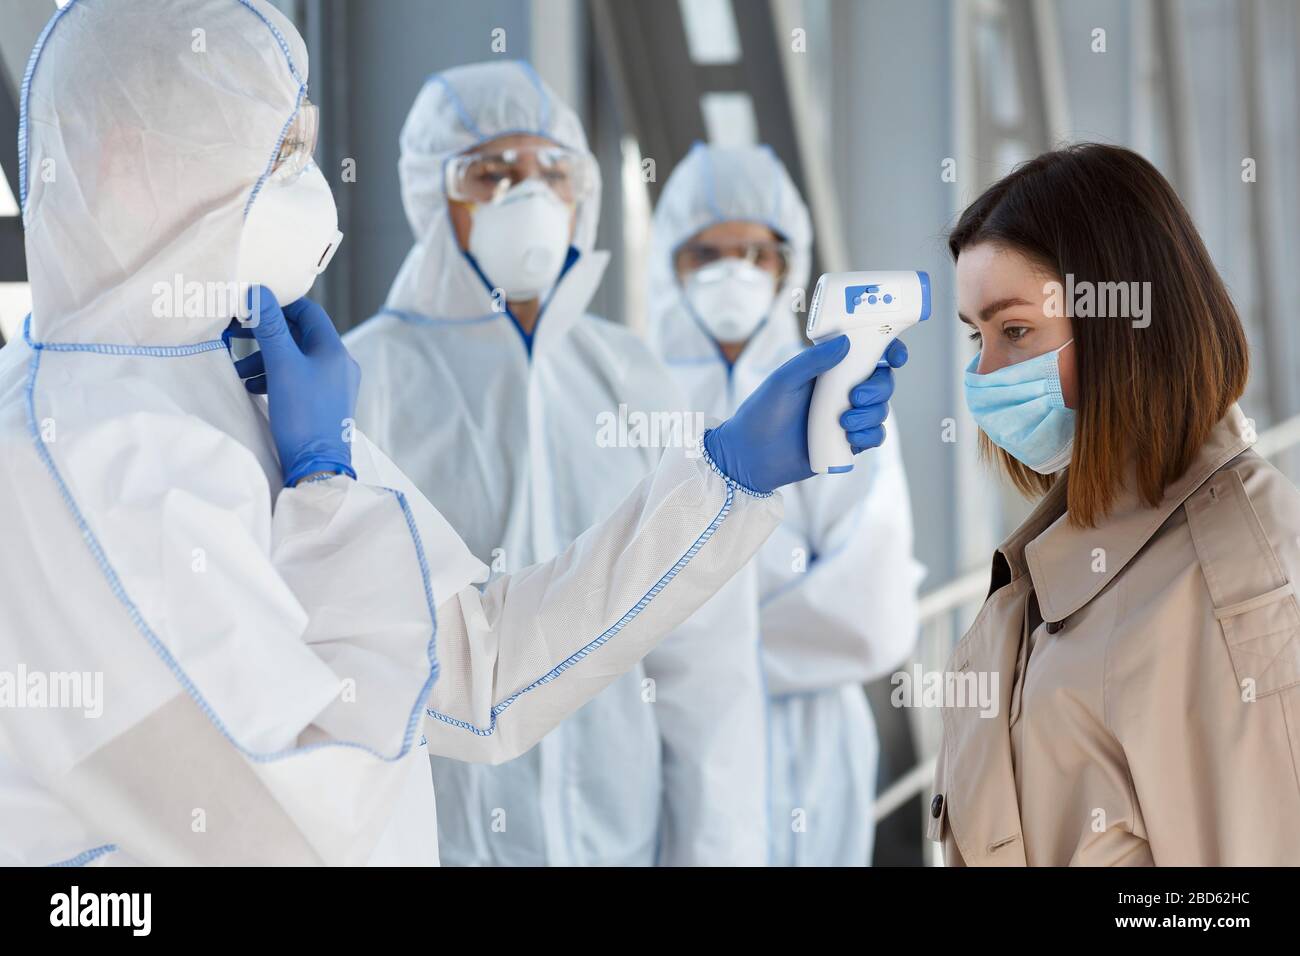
[[871, 308]]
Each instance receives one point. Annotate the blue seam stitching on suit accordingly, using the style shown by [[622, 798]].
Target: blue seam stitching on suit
[[603, 638], [618, 625], [702, 360], [160, 351], [416, 318], [279, 38], [141, 625], [275, 151], [456, 103], [88, 856], [545, 122], [499, 134], [297, 106], [492, 292], [23, 95], [432, 650]]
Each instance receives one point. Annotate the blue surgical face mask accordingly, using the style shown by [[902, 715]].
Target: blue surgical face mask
[[1021, 408]]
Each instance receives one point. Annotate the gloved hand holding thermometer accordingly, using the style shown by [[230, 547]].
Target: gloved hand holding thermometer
[[871, 308], [765, 444]]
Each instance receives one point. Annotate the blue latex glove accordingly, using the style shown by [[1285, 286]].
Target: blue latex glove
[[765, 444], [310, 382]]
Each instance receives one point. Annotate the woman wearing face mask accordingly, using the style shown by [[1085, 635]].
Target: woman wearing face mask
[[1141, 635], [732, 242]]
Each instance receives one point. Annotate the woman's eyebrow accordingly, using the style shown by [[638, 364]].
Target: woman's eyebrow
[[993, 308]]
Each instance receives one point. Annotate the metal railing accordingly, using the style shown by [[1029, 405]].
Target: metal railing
[[946, 613]]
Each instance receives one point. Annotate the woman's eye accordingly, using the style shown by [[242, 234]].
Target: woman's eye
[[973, 335], [1015, 333]]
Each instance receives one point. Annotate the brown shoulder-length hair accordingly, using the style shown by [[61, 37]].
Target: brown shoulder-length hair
[[1146, 395]]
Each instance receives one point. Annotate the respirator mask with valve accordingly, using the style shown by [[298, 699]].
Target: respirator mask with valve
[[522, 199], [291, 231]]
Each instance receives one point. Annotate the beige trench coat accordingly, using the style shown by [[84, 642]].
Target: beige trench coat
[[1147, 681]]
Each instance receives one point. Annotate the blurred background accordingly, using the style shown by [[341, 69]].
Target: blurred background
[[891, 115]]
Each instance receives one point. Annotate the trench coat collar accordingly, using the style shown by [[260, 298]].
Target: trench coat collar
[[1070, 566]]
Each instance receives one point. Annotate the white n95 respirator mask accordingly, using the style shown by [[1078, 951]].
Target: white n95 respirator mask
[[730, 297], [521, 240], [290, 235]]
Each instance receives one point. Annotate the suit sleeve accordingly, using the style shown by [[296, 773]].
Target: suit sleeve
[[518, 657]]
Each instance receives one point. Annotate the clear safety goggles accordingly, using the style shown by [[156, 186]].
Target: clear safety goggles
[[485, 175], [299, 143], [769, 255]]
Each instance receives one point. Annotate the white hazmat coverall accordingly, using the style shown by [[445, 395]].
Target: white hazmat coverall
[[527, 441], [836, 584], [201, 665]]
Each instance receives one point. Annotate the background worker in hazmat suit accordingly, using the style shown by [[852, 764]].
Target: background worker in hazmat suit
[[282, 623], [834, 589], [486, 380]]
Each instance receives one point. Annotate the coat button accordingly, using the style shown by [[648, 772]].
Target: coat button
[[936, 805]]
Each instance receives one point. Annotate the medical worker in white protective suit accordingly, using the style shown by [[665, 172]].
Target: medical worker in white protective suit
[[230, 634], [493, 389], [836, 585]]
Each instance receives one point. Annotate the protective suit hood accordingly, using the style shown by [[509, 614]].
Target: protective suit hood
[[136, 173], [712, 185], [455, 111]]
